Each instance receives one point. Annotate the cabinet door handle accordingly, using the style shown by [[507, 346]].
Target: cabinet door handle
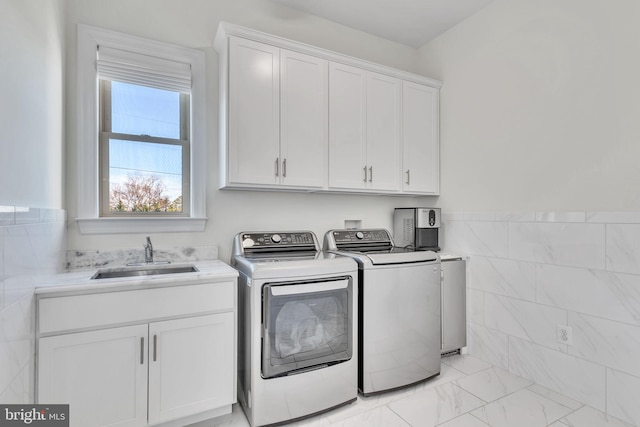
[[284, 168], [370, 173], [155, 348], [441, 309], [365, 173], [408, 176], [277, 166], [142, 350]]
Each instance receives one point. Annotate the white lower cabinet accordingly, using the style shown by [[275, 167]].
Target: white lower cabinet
[[151, 373], [190, 366], [102, 375]]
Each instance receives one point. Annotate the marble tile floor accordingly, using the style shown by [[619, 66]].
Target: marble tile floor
[[468, 393]]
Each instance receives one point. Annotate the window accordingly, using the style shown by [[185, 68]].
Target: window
[[144, 150], [141, 136]]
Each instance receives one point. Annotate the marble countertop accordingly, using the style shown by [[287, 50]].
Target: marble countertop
[[79, 282]]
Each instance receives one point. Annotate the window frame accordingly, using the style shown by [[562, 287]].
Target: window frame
[[89, 217]]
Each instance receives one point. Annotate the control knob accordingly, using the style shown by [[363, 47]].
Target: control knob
[[276, 238], [359, 235]]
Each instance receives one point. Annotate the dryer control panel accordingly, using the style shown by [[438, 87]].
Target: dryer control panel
[[364, 236], [279, 241]]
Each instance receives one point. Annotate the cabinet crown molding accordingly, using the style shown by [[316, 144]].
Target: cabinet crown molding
[[226, 29]]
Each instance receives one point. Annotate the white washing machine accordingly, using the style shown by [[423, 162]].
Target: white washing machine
[[399, 309], [297, 344]]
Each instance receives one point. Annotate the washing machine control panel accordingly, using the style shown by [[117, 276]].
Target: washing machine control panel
[[284, 240]]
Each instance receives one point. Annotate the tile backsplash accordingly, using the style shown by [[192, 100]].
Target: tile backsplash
[[32, 246], [529, 273], [81, 260]]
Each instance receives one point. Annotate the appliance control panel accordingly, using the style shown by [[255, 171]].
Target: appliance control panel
[[278, 239], [427, 217], [361, 236]]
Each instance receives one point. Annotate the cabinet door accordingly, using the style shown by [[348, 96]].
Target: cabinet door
[[383, 132], [420, 146], [454, 305], [102, 375], [191, 366], [303, 119], [347, 127], [254, 112]]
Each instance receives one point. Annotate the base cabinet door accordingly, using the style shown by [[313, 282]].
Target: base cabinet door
[[454, 305], [102, 375], [191, 366]]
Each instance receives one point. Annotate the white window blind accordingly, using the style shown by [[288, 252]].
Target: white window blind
[[145, 70]]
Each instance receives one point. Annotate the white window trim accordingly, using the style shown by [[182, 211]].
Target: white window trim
[[89, 220]]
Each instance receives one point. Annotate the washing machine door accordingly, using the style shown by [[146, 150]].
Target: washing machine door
[[306, 325]]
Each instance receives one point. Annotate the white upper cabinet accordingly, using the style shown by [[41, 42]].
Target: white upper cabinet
[[303, 119], [347, 127], [254, 112], [277, 117], [297, 117], [420, 144], [383, 131], [364, 129]]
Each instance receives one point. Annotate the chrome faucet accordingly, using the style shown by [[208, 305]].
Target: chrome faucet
[[148, 251]]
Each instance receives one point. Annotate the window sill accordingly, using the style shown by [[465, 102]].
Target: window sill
[[139, 225]]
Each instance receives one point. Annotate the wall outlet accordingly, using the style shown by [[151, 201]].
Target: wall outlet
[[565, 334]]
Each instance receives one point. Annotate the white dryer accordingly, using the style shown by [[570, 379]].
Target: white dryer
[[298, 310]]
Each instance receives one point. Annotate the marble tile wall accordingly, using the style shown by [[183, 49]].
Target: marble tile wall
[[530, 272], [32, 245]]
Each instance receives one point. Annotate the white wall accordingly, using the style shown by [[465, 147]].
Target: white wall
[[193, 23], [32, 103], [540, 106], [32, 235], [540, 174]]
